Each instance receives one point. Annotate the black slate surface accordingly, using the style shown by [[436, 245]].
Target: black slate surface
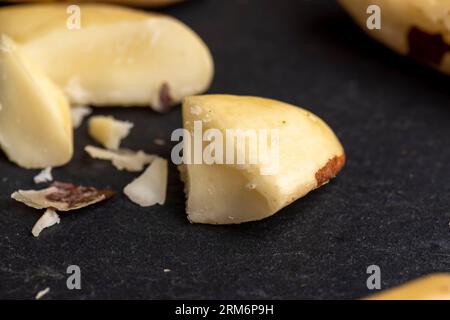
[[389, 207]]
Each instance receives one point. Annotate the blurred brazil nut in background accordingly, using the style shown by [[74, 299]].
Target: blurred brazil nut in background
[[419, 29], [107, 55]]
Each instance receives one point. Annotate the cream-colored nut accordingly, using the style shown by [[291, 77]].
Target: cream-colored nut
[[417, 28], [118, 56], [308, 155], [108, 131], [35, 125]]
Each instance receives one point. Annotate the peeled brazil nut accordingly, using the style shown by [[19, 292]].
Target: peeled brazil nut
[[304, 154], [416, 28], [118, 56], [35, 126]]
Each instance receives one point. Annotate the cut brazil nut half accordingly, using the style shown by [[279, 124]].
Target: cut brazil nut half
[[35, 125], [416, 28], [62, 196], [307, 153], [116, 56]]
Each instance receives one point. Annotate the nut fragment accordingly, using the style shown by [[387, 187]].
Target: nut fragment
[[44, 176], [42, 293], [62, 196], [48, 219], [35, 129], [108, 131], [309, 154], [122, 159], [118, 56], [150, 187]]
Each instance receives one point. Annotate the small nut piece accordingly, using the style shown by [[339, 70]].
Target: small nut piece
[[48, 219], [115, 55], [108, 131], [150, 187], [122, 159], [416, 28], [308, 155], [35, 125], [44, 176]]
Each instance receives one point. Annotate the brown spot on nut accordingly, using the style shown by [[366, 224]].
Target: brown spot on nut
[[76, 196], [330, 170], [426, 47], [165, 99]]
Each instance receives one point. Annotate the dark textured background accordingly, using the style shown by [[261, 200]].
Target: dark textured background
[[390, 206]]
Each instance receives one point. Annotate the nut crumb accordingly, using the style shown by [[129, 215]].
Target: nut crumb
[[48, 219], [122, 159], [42, 293], [44, 176], [167, 270], [159, 142]]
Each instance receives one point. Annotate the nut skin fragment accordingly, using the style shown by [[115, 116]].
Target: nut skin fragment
[[76, 196], [62, 196], [330, 170]]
